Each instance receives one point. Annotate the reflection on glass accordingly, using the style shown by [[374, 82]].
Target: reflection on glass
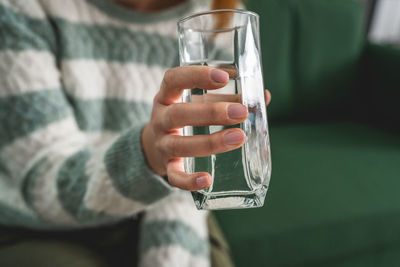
[[229, 40]]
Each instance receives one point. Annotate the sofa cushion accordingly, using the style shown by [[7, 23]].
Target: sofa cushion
[[311, 50], [333, 198], [379, 91]]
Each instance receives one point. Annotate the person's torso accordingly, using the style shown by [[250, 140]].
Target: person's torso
[[112, 60]]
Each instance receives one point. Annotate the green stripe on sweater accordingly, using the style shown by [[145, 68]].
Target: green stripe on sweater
[[109, 114], [163, 233], [28, 185], [9, 214], [129, 171], [19, 32], [3, 169], [22, 114], [72, 183], [83, 41], [122, 13]]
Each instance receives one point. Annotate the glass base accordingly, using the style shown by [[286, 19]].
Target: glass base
[[230, 199]]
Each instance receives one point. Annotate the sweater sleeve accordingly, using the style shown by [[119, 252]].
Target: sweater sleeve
[[52, 174]]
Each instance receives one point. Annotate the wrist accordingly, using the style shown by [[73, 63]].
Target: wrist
[[149, 153]]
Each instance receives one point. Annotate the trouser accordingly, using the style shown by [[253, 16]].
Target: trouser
[[96, 247]]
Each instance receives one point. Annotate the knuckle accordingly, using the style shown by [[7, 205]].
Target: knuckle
[[211, 144], [170, 146], [197, 76], [203, 76], [172, 179], [156, 99], [197, 80], [175, 180], [168, 77], [158, 144], [158, 124], [218, 112], [157, 121], [213, 111], [164, 84], [175, 147], [166, 146], [171, 117]]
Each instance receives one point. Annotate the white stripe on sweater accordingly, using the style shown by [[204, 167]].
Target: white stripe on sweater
[[29, 8], [12, 196], [27, 71], [45, 193], [27, 151], [172, 255], [179, 206], [61, 140], [101, 195], [80, 11], [125, 81]]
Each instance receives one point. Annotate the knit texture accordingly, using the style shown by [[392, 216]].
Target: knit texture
[[77, 81]]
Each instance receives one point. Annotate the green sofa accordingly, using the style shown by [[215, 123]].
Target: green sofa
[[334, 196]]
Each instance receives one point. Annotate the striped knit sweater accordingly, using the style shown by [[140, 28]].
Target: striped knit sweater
[[77, 80]]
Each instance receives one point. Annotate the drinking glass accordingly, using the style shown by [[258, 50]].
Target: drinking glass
[[229, 40]]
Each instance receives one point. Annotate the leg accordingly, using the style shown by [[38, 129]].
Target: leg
[[220, 254]]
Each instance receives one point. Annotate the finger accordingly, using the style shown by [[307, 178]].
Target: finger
[[202, 114], [267, 96], [186, 77], [191, 182], [202, 145]]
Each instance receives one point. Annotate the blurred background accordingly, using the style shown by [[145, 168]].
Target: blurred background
[[333, 68], [384, 21]]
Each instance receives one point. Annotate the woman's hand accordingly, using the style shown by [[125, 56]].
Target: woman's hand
[[163, 144]]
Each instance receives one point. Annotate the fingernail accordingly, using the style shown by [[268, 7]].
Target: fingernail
[[219, 76], [237, 111], [202, 181], [233, 138]]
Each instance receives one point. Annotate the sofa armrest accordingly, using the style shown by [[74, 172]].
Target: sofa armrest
[[378, 95]]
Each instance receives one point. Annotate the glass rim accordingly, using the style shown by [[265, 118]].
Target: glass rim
[[242, 11]]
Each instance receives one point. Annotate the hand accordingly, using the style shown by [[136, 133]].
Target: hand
[[162, 142]]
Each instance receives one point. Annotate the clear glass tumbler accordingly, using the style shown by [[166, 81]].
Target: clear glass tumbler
[[229, 40]]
